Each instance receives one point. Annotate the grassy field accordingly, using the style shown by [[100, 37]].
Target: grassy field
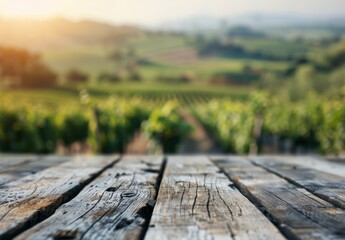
[[275, 46], [166, 55]]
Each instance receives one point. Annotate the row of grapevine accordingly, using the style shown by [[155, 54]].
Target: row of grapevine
[[108, 125], [166, 128], [230, 123], [312, 123], [116, 123], [185, 98]]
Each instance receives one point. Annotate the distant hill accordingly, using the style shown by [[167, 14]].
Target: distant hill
[[257, 20], [40, 35]]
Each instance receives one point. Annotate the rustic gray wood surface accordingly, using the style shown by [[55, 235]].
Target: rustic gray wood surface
[[195, 201], [173, 197], [117, 203], [297, 212], [319, 164], [324, 185], [10, 160], [13, 167], [27, 200]]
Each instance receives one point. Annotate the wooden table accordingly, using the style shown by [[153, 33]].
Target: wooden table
[[177, 197]]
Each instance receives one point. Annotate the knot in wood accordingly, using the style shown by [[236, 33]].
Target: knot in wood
[[129, 194], [65, 234]]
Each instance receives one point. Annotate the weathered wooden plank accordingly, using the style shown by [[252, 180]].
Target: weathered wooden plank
[[8, 164], [335, 159], [297, 212], [326, 186], [11, 160], [30, 199], [117, 203], [25, 167], [319, 164], [195, 201]]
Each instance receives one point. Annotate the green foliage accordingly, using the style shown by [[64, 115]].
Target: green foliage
[[336, 81], [116, 122], [332, 58], [108, 77], [38, 128], [331, 132], [75, 127], [245, 77], [321, 72], [28, 130], [75, 76], [187, 77], [312, 123], [230, 123], [259, 102], [134, 76], [231, 49], [166, 127]]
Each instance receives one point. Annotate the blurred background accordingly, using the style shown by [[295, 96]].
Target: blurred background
[[182, 77]]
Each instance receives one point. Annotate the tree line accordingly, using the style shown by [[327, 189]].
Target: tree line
[[18, 67]]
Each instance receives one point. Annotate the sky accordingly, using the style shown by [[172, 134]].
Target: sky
[[146, 12]]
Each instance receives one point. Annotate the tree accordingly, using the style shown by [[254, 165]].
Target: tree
[[109, 77], [76, 76], [25, 69], [38, 75], [134, 76]]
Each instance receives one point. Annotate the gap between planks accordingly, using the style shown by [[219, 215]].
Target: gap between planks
[[196, 201]]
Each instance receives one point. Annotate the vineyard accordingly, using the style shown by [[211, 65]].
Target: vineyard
[[39, 129], [108, 125], [185, 98], [248, 90], [313, 125], [156, 95]]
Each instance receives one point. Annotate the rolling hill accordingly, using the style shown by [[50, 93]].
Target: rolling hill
[[60, 33]]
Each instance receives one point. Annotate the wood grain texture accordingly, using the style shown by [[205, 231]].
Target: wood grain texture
[[297, 212], [30, 199], [14, 168], [116, 205], [11, 160], [327, 186], [195, 201], [319, 163]]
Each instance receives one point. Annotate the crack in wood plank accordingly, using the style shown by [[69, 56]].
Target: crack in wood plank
[[29, 200], [97, 213], [209, 208]]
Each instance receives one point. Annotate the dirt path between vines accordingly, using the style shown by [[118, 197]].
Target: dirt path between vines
[[139, 145], [199, 142]]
